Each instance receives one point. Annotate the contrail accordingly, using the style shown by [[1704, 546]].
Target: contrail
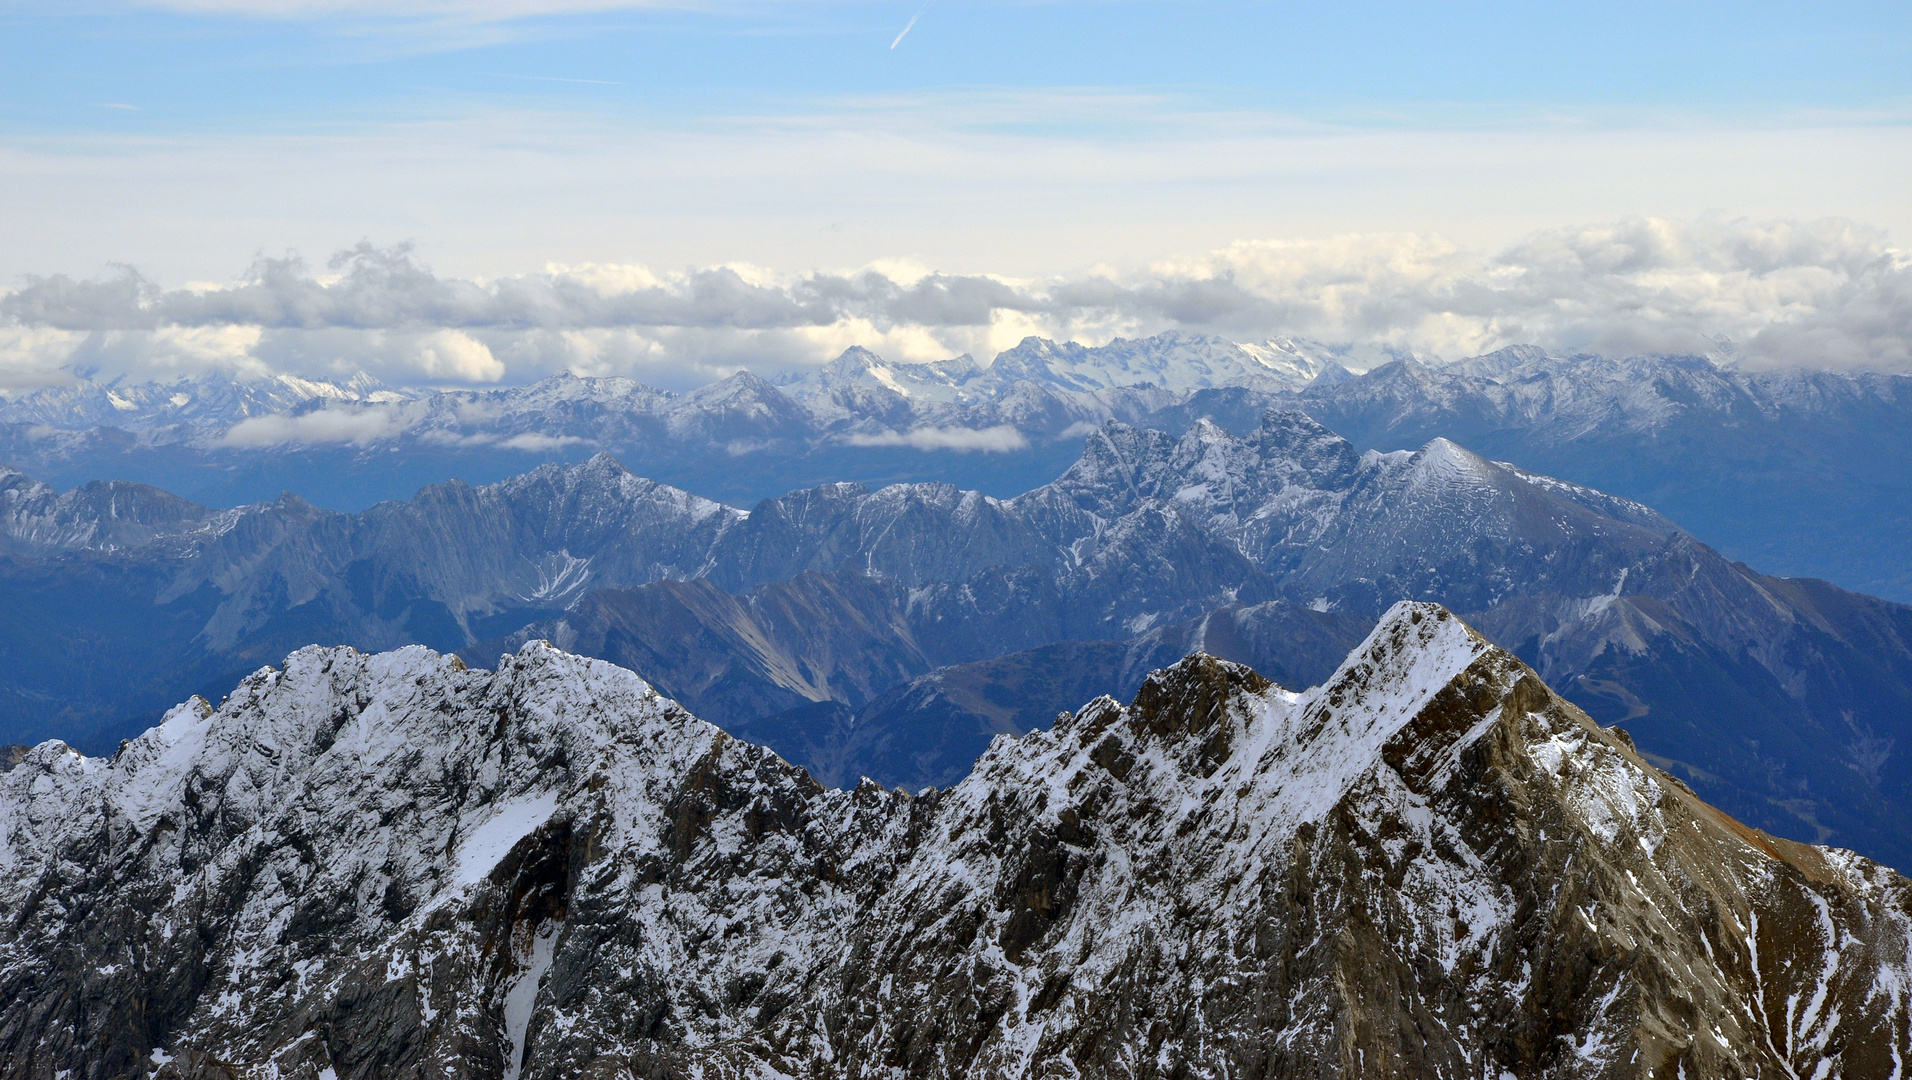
[[906, 31], [554, 78]]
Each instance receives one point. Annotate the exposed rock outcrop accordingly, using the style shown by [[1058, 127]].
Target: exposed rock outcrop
[[1431, 865]]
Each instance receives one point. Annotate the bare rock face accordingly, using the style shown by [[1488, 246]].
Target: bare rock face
[[1429, 866]]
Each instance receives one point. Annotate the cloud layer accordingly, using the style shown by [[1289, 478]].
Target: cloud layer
[[356, 426], [1000, 439], [1828, 293]]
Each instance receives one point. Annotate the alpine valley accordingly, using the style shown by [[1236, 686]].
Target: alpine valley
[[1430, 865]]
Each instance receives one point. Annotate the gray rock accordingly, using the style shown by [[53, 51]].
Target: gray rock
[[393, 866]]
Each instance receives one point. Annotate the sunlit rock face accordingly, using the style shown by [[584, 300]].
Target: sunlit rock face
[[1430, 865]]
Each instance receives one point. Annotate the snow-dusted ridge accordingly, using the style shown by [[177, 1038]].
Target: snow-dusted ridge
[[1430, 865], [1039, 387], [1146, 530]]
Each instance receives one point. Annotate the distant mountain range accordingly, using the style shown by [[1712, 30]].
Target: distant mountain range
[[893, 632], [1008, 426], [1803, 473], [1799, 473], [1430, 865], [859, 392]]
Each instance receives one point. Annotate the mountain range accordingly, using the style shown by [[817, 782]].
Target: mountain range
[[1798, 472], [1009, 426], [894, 632], [1429, 865]]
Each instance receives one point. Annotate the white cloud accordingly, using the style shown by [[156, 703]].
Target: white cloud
[[441, 437], [321, 426], [450, 354], [35, 357], [1000, 439], [1827, 293], [533, 441]]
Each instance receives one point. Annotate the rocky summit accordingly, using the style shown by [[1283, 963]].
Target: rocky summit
[[1429, 866]]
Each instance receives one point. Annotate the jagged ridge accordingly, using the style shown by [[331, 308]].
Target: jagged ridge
[[1429, 866]]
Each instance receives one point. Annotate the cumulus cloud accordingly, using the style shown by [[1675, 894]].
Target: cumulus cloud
[[1000, 439], [34, 357], [451, 354], [1826, 293], [385, 289]]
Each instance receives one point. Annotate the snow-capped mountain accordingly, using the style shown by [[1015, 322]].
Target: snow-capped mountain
[[862, 384], [535, 542], [213, 401], [1783, 700], [857, 386], [1040, 386], [1430, 865], [100, 516], [1798, 472], [1174, 361], [859, 407], [1639, 621]]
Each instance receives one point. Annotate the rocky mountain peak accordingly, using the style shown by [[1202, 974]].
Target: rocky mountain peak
[[99, 515], [860, 386], [1501, 362], [1430, 865], [1325, 458], [1442, 461], [959, 367], [1329, 375], [1029, 359], [738, 384], [855, 359], [600, 468], [19, 487], [1113, 463], [601, 489], [1208, 471], [1199, 702], [1178, 361], [1403, 375]]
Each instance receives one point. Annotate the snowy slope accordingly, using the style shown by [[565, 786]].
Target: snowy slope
[[212, 401], [1039, 387], [389, 865]]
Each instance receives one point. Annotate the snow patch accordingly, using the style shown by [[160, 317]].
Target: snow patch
[[480, 852], [523, 997]]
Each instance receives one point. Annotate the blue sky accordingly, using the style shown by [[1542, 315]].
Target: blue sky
[[240, 65], [184, 134], [1311, 144]]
